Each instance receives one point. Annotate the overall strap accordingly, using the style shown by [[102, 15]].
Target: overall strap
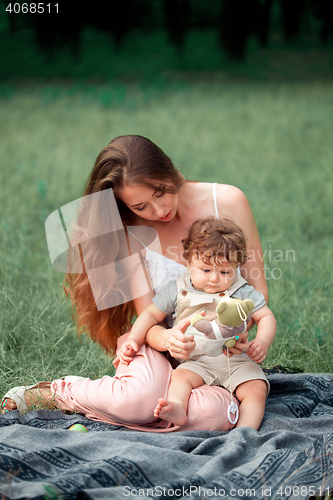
[[186, 307]]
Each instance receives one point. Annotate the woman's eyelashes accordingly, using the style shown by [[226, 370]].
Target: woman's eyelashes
[[144, 206]]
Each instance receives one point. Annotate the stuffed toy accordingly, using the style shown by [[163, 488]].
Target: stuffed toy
[[232, 316]]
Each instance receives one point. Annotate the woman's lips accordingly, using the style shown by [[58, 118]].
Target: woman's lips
[[167, 217]]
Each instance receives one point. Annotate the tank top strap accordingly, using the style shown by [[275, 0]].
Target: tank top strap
[[215, 200], [132, 234]]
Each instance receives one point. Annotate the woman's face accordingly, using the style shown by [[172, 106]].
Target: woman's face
[[148, 203]]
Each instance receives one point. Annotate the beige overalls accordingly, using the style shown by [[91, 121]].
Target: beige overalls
[[212, 369]]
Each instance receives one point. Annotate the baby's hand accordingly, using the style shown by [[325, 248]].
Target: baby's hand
[[242, 345], [257, 351], [127, 351]]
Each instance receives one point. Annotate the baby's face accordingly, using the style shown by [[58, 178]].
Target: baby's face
[[212, 278]]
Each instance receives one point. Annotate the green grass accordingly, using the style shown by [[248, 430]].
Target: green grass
[[271, 138]]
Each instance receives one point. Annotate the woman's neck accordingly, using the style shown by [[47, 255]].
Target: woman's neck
[[185, 201]]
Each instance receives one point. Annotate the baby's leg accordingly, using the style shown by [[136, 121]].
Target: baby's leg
[[252, 396], [174, 408]]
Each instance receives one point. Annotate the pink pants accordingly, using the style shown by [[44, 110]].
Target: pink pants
[[129, 398]]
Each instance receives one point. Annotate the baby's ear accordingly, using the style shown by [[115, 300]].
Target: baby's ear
[[221, 306]]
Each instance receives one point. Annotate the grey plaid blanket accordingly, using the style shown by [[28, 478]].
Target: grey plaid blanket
[[289, 457]]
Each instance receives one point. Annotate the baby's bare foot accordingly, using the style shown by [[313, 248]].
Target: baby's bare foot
[[171, 412]]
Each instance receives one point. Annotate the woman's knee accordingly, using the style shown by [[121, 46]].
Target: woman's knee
[[208, 409], [123, 400], [136, 392], [138, 395]]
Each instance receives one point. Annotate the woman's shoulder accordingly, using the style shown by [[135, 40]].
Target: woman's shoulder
[[229, 193], [231, 200], [227, 190]]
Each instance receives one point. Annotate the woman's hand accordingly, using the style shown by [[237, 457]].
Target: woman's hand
[[180, 345], [241, 345]]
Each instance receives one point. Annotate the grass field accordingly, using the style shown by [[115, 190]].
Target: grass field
[[269, 137]]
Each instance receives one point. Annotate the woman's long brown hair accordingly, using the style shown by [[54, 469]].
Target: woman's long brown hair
[[126, 160]]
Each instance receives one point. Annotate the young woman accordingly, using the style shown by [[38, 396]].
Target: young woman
[[149, 191]]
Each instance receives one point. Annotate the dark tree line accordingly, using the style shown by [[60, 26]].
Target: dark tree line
[[242, 18], [235, 20]]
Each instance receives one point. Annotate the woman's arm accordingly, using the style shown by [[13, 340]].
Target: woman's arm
[[173, 339], [161, 338], [233, 203], [157, 337]]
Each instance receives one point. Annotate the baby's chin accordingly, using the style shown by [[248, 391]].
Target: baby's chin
[[208, 289]]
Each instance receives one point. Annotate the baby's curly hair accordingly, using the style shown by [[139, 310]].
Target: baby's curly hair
[[216, 239]]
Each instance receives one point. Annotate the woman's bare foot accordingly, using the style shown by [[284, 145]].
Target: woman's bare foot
[[8, 405], [40, 396], [171, 412]]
